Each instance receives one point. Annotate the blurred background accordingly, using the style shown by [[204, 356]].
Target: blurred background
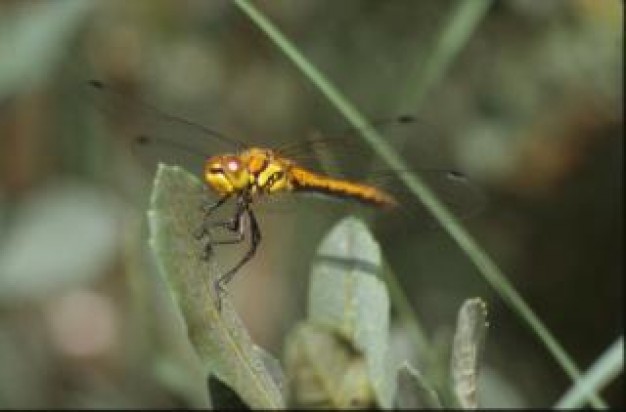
[[530, 108]]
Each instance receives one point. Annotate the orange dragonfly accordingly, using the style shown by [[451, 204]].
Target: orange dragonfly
[[249, 174]]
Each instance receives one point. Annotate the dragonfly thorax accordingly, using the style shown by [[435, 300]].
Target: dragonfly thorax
[[255, 171]]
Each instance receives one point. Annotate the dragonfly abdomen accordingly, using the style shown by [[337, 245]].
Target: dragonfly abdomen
[[303, 180]]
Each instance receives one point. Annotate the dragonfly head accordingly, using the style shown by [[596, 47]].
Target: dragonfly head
[[226, 174]]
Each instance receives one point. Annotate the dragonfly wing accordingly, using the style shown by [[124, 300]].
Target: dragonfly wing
[[411, 218], [348, 156], [455, 191], [152, 134]]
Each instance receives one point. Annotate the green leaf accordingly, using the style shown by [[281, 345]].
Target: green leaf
[[219, 338], [470, 332], [347, 296], [326, 371], [274, 369], [414, 391]]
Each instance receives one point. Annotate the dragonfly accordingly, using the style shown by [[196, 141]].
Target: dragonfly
[[248, 174]]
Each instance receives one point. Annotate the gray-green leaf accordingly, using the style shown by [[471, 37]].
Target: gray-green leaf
[[470, 331], [219, 338], [347, 296], [325, 370]]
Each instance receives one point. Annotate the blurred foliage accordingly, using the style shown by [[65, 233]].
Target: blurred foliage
[[531, 108]]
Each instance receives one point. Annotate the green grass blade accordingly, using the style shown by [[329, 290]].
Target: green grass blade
[[455, 33], [606, 368], [486, 266]]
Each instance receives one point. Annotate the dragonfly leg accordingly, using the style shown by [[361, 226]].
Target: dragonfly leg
[[234, 225], [255, 235], [208, 208]]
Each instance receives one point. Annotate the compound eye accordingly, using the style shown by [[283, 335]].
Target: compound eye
[[232, 164]]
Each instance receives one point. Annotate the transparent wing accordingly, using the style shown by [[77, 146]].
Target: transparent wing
[[157, 136], [346, 155], [152, 134], [409, 134], [456, 192]]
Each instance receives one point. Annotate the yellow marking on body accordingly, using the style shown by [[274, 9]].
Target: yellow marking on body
[[305, 180], [260, 171]]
